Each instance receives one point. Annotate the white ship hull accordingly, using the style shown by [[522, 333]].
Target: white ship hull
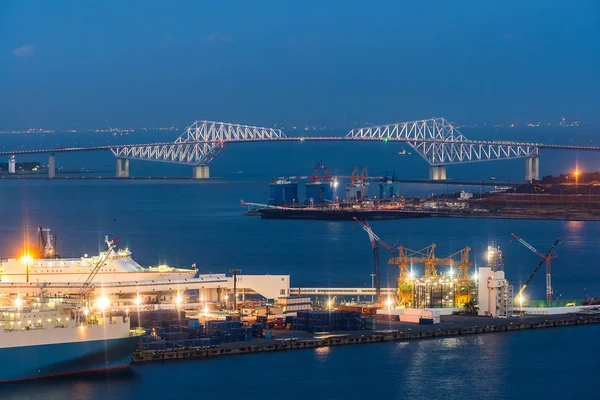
[[32, 349]]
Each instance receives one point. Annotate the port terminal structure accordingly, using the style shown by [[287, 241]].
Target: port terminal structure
[[436, 140], [211, 286]]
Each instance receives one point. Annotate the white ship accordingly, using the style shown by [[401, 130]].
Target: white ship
[[55, 336], [48, 267]]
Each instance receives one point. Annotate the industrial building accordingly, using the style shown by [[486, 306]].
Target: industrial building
[[495, 293], [283, 192], [318, 193]]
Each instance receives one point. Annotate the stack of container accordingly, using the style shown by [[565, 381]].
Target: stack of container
[[322, 321], [227, 331], [291, 304], [369, 323], [420, 316], [430, 317], [257, 330]]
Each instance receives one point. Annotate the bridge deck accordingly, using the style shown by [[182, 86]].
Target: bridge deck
[[301, 139]]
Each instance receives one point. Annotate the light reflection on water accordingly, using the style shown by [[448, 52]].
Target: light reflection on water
[[493, 366]]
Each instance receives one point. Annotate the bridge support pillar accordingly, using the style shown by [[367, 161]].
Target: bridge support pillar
[[437, 172], [122, 168], [201, 172], [51, 165], [532, 168]]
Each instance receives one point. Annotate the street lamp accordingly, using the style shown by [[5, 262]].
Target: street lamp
[[235, 273]]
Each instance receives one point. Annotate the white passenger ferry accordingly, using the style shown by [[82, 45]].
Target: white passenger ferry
[[47, 266]]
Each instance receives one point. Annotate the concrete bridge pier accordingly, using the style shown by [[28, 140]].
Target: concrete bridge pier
[[122, 167], [532, 168], [201, 172], [51, 165], [437, 172]]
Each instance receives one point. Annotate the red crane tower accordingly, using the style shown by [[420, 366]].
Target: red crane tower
[[547, 258], [374, 244]]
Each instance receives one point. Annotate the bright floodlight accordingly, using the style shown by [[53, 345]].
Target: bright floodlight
[[389, 303], [411, 274], [26, 259], [138, 300], [475, 276], [206, 310], [102, 302], [178, 300], [18, 302]]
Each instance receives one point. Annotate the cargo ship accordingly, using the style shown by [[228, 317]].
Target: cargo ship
[[51, 337], [340, 214], [44, 264]]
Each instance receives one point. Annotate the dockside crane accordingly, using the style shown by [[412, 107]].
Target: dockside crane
[[546, 258], [111, 246], [375, 241]]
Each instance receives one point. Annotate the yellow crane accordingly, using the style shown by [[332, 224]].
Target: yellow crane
[[427, 257], [331, 302]]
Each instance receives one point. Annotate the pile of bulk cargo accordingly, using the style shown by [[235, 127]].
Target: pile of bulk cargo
[[327, 321]]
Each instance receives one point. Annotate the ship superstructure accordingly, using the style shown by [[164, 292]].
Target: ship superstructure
[[47, 266]]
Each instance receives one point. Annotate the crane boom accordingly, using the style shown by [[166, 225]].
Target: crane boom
[[530, 247], [111, 246], [546, 258], [374, 241]]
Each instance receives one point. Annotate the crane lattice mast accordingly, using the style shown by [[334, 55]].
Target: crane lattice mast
[[546, 258], [111, 246], [374, 244]]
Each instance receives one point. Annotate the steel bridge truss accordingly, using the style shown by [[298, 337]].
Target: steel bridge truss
[[440, 143], [199, 143]]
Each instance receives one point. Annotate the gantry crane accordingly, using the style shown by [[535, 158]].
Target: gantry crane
[[427, 257], [546, 258], [356, 179], [375, 240]]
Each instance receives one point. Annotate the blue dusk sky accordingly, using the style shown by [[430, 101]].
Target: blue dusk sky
[[76, 64]]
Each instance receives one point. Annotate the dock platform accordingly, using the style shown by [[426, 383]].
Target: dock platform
[[389, 331]]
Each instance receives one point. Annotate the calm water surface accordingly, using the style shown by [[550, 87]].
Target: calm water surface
[[180, 223]]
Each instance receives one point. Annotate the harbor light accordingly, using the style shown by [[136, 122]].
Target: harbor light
[[178, 300], [388, 303], [26, 259], [102, 302], [475, 276], [18, 302], [205, 310], [451, 272], [138, 300]]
